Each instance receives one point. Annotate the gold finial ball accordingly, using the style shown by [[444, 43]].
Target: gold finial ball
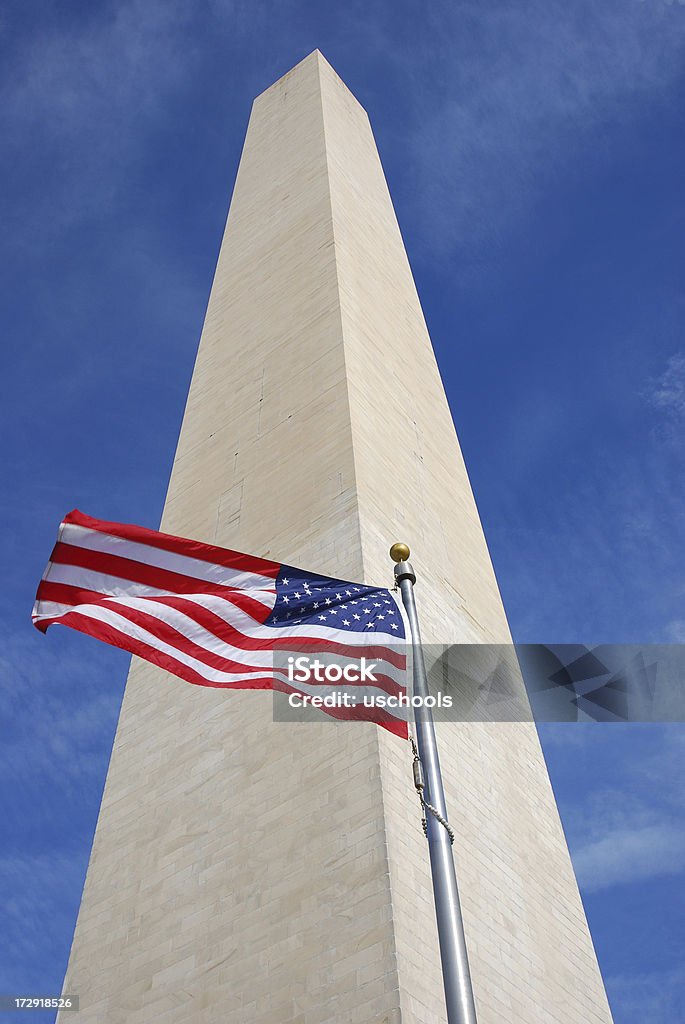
[[400, 552]]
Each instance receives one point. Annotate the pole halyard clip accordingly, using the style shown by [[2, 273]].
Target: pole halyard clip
[[419, 786]]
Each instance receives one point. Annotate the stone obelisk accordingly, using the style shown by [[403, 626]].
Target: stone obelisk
[[245, 870]]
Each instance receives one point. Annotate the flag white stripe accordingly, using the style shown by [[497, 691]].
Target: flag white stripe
[[51, 610], [110, 617], [264, 661], [160, 558], [197, 634], [243, 623], [246, 625], [254, 658], [116, 586]]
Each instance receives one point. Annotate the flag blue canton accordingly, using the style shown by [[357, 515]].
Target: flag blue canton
[[303, 598]]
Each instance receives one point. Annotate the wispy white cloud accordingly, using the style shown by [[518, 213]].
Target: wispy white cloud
[[611, 527], [614, 522], [562, 737], [656, 997], [664, 761], [32, 883], [82, 97], [667, 391], [675, 631], [665, 394], [63, 704], [38, 906], [630, 827], [498, 97], [631, 853], [507, 96]]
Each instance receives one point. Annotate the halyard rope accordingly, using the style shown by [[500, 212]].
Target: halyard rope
[[425, 806]]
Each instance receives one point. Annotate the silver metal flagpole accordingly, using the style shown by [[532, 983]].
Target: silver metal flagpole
[[455, 965]]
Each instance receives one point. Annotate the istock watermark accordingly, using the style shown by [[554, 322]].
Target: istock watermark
[[304, 670], [346, 699], [373, 684], [365, 681], [486, 683]]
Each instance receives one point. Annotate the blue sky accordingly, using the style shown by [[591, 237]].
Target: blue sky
[[535, 155]]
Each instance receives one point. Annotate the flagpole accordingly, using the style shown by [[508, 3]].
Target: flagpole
[[455, 966]]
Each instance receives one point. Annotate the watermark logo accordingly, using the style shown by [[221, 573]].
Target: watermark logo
[[490, 683], [304, 670]]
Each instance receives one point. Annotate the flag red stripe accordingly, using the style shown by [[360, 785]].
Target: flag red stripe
[[180, 545], [221, 662], [174, 638], [109, 634], [307, 644], [224, 663], [138, 572], [63, 593], [165, 632], [117, 638]]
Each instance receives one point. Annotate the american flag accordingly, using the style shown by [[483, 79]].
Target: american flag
[[219, 618]]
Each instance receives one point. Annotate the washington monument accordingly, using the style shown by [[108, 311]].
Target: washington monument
[[245, 870]]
